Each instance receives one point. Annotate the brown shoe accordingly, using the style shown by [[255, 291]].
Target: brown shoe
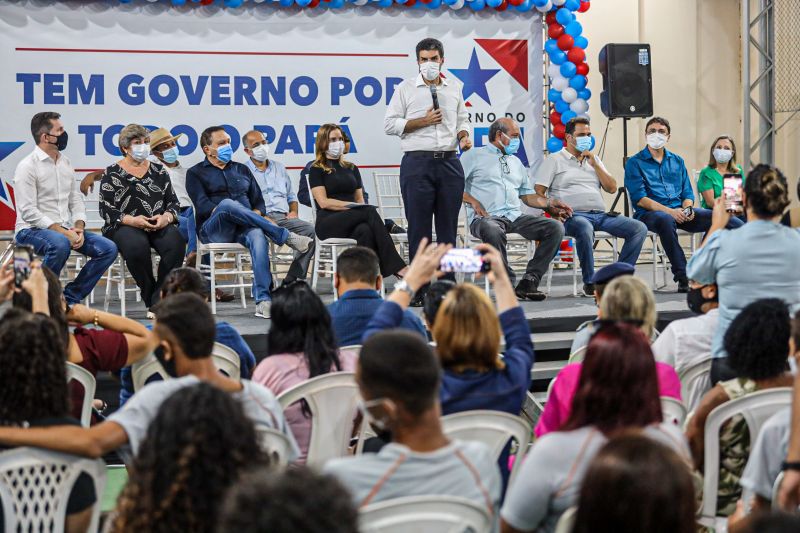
[[224, 296], [191, 260]]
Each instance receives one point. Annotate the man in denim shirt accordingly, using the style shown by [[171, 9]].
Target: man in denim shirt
[[229, 207], [660, 190]]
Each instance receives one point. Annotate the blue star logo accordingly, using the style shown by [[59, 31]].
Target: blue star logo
[[474, 78]]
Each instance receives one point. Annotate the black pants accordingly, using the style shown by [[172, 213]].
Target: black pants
[[431, 188], [367, 228], [134, 244]]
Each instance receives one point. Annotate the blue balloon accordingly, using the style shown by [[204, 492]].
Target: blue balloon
[[303, 3], [493, 3], [554, 144], [578, 82], [539, 3], [581, 42], [554, 96], [178, 2], [561, 106], [524, 7], [434, 4], [233, 3], [477, 5], [574, 28], [568, 69], [286, 3], [551, 46], [568, 115], [557, 58], [594, 141], [585, 94], [385, 3], [572, 5], [564, 16], [450, 2]]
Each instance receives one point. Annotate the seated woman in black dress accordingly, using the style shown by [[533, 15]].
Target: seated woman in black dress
[[140, 210], [339, 194]]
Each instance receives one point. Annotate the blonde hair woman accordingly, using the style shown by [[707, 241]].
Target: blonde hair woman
[[338, 194], [625, 299], [467, 332]]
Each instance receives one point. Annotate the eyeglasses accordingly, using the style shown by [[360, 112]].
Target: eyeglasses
[[504, 165]]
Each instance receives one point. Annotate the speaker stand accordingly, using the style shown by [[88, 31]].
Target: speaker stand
[[621, 192]]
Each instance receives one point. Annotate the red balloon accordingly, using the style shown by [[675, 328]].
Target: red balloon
[[206, 2], [582, 69], [516, 2], [576, 55], [410, 3], [585, 4], [559, 131], [554, 31], [503, 6], [565, 42], [555, 118], [550, 18]]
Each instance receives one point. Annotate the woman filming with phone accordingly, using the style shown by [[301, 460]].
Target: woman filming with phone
[[721, 161], [140, 211], [756, 261]]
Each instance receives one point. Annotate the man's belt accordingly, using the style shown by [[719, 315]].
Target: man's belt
[[433, 155]]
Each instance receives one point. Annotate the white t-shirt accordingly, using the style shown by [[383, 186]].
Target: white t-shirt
[[767, 454], [574, 183]]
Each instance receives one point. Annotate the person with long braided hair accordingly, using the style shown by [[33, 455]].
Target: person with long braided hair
[[33, 392], [198, 445]]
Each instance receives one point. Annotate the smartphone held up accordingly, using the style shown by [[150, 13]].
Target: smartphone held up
[[464, 260], [23, 257], [732, 189]]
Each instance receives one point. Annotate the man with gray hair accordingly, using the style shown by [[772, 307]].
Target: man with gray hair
[[496, 186]]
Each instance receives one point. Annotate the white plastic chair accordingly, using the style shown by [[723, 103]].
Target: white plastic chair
[[144, 369], [275, 444], [493, 428], [356, 348], [227, 360], [332, 399], [567, 521], [570, 258], [674, 411], [756, 408], [425, 514], [390, 205], [578, 355], [89, 384], [35, 485], [117, 274], [695, 382], [326, 251], [776, 487]]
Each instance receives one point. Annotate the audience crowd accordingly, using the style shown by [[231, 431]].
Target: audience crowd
[[199, 443]]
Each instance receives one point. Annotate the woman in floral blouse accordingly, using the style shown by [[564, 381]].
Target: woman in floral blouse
[[140, 211]]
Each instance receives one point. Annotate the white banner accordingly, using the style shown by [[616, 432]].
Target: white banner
[[282, 71]]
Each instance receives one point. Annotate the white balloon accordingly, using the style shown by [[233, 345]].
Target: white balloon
[[560, 84], [569, 95], [579, 106], [547, 7], [554, 70], [360, 2], [559, 2], [457, 5], [584, 115]]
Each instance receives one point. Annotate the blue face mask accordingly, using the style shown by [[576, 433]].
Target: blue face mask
[[170, 155], [225, 153], [583, 144], [512, 146]]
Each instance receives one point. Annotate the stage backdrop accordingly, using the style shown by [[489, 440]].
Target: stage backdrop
[[282, 71]]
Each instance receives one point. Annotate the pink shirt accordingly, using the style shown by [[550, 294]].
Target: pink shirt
[[281, 372], [559, 403]]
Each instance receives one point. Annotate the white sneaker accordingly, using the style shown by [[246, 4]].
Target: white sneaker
[[297, 242], [263, 308]]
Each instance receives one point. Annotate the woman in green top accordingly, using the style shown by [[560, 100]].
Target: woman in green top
[[721, 161]]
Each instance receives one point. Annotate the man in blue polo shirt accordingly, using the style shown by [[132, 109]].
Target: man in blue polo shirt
[[229, 207], [661, 192]]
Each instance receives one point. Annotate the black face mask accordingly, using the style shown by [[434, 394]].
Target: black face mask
[[61, 141], [695, 300], [169, 366]]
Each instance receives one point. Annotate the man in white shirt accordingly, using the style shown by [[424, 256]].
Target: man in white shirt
[[575, 175], [428, 113], [51, 217]]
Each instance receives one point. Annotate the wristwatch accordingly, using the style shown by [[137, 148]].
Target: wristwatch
[[790, 465], [403, 287]]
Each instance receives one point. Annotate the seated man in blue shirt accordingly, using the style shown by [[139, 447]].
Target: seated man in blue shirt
[[357, 281], [279, 197], [229, 207], [660, 189], [495, 187]]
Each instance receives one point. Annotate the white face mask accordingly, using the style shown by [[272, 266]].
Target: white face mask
[[656, 141], [139, 152], [723, 155], [335, 150], [430, 70], [260, 152]]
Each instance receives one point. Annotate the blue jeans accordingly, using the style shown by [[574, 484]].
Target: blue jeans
[[233, 222], [582, 226], [55, 249], [186, 226], [667, 229]]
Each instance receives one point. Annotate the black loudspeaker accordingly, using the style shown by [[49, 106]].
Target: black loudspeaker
[[627, 81]]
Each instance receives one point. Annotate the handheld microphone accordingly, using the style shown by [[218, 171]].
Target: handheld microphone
[[434, 96]]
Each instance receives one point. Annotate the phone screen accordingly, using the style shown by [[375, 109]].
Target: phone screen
[[732, 193], [463, 260], [23, 257]]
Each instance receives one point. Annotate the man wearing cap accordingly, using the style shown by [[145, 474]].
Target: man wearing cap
[[279, 198], [601, 278]]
